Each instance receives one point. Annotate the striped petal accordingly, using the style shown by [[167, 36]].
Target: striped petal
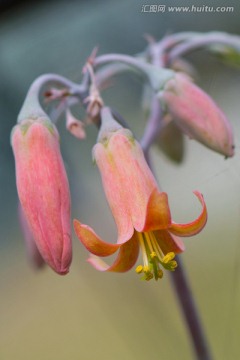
[[127, 257], [193, 227], [92, 242]]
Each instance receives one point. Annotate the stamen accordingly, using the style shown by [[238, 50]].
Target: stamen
[[153, 257], [173, 264], [146, 269], [139, 269], [144, 254], [157, 248], [148, 276], [149, 242], [168, 257]]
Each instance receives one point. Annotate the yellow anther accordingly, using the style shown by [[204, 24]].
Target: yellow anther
[[146, 269], [139, 269], [148, 276], [168, 257], [153, 255], [173, 264], [147, 273]]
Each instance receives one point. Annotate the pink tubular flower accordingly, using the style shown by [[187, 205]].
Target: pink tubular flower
[[197, 114], [140, 210], [43, 190]]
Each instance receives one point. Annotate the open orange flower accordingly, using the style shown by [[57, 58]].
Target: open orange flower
[[140, 210]]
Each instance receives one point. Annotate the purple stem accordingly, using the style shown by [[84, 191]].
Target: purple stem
[[154, 126], [190, 313], [157, 76], [32, 106], [202, 40]]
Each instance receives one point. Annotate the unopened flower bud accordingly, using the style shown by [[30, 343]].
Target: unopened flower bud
[[75, 126], [197, 114], [43, 190]]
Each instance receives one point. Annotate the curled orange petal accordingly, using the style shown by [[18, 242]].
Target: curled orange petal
[[92, 242], [125, 260], [193, 227]]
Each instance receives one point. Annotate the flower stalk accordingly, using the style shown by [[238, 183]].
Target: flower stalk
[[199, 40], [32, 107], [156, 76], [190, 313]]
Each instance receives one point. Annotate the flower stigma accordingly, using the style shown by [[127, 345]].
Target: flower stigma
[[153, 258]]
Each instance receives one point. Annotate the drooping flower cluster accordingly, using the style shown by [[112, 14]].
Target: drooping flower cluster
[[141, 211]]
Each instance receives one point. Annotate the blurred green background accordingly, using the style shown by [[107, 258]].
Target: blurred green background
[[88, 315]]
